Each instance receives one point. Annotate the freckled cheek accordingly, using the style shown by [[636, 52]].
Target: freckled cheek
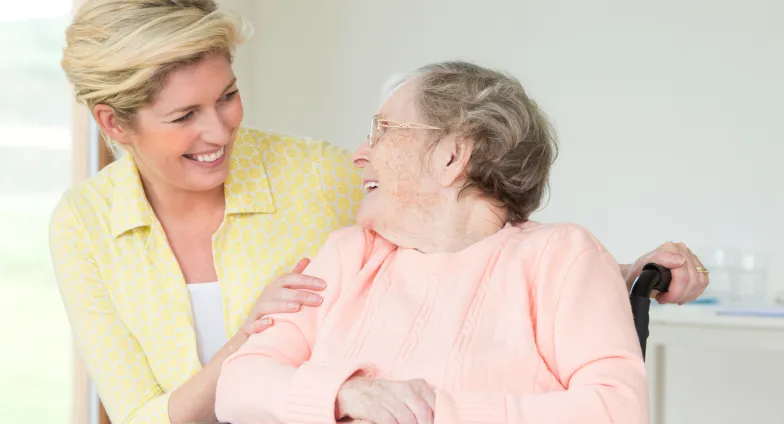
[[404, 191]]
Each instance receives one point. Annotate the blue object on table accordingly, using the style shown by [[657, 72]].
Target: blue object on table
[[704, 301], [768, 312]]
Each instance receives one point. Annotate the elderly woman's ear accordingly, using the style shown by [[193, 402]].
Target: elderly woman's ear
[[450, 159]]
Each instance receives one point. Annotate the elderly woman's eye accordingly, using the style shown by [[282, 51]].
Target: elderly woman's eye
[[230, 95]]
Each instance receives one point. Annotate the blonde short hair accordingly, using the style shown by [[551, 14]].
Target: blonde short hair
[[119, 52]]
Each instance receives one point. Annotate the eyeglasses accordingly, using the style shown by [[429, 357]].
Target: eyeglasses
[[379, 125]]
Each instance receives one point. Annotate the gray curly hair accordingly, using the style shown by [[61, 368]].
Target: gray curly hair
[[514, 143]]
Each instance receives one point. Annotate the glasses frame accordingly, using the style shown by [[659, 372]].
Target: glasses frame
[[378, 123]]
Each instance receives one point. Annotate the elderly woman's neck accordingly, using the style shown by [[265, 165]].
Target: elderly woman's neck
[[457, 226]]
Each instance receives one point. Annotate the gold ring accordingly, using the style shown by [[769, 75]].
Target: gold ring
[[702, 270]]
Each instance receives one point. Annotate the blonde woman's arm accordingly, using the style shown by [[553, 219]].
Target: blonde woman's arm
[[116, 363]]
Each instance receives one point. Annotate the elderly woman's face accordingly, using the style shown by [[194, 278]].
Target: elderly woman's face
[[400, 187]]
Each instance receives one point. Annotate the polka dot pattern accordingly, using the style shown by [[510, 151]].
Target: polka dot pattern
[[122, 287]]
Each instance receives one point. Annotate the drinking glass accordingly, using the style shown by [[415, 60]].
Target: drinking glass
[[748, 284]]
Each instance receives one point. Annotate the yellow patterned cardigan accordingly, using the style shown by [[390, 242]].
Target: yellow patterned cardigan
[[123, 291]]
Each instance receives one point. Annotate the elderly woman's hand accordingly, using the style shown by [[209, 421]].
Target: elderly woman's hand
[[286, 293], [689, 277], [386, 402]]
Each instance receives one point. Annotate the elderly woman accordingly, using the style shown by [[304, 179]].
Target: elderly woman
[[446, 304], [171, 256]]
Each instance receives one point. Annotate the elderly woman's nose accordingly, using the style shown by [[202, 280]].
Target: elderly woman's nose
[[360, 157]]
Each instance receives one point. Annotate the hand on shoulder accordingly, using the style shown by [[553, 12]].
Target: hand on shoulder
[[286, 294]]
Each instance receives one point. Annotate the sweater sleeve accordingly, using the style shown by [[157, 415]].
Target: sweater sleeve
[[116, 362], [592, 347], [270, 378]]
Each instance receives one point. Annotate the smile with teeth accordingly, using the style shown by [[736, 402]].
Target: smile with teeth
[[211, 157], [370, 185]]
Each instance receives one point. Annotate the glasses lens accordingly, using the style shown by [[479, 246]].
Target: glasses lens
[[380, 128], [373, 131]]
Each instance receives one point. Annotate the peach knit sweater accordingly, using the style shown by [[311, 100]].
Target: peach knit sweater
[[531, 325]]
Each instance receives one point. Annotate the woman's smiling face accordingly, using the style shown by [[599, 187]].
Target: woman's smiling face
[[400, 186]]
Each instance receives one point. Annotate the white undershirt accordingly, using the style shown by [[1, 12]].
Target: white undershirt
[[207, 318]]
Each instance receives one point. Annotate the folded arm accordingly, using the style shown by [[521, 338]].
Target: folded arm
[[589, 339], [270, 379]]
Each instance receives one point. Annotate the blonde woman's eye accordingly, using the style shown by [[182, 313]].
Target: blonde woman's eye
[[229, 96], [184, 118]]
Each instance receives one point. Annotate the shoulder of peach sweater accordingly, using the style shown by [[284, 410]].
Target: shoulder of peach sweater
[[548, 232], [553, 254], [557, 245], [345, 252], [343, 257]]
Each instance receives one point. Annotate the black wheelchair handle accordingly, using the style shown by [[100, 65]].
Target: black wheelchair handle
[[652, 277]]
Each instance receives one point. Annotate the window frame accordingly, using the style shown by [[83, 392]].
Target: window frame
[[90, 154], [86, 408]]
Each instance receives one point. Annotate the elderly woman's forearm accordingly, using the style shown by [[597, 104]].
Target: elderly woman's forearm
[[253, 389], [270, 379]]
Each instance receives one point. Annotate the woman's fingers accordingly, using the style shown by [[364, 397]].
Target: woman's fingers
[[386, 402], [382, 415], [300, 296], [277, 307], [309, 299], [398, 410], [257, 326], [684, 278], [424, 390], [301, 265], [302, 282], [296, 280], [687, 283], [699, 280], [287, 293], [404, 400], [419, 407]]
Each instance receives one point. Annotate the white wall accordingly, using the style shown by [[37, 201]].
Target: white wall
[[669, 115], [682, 100]]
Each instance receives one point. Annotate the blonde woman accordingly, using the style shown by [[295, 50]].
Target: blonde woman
[[168, 259]]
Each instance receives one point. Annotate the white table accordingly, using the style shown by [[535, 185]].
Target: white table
[[699, 325]]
